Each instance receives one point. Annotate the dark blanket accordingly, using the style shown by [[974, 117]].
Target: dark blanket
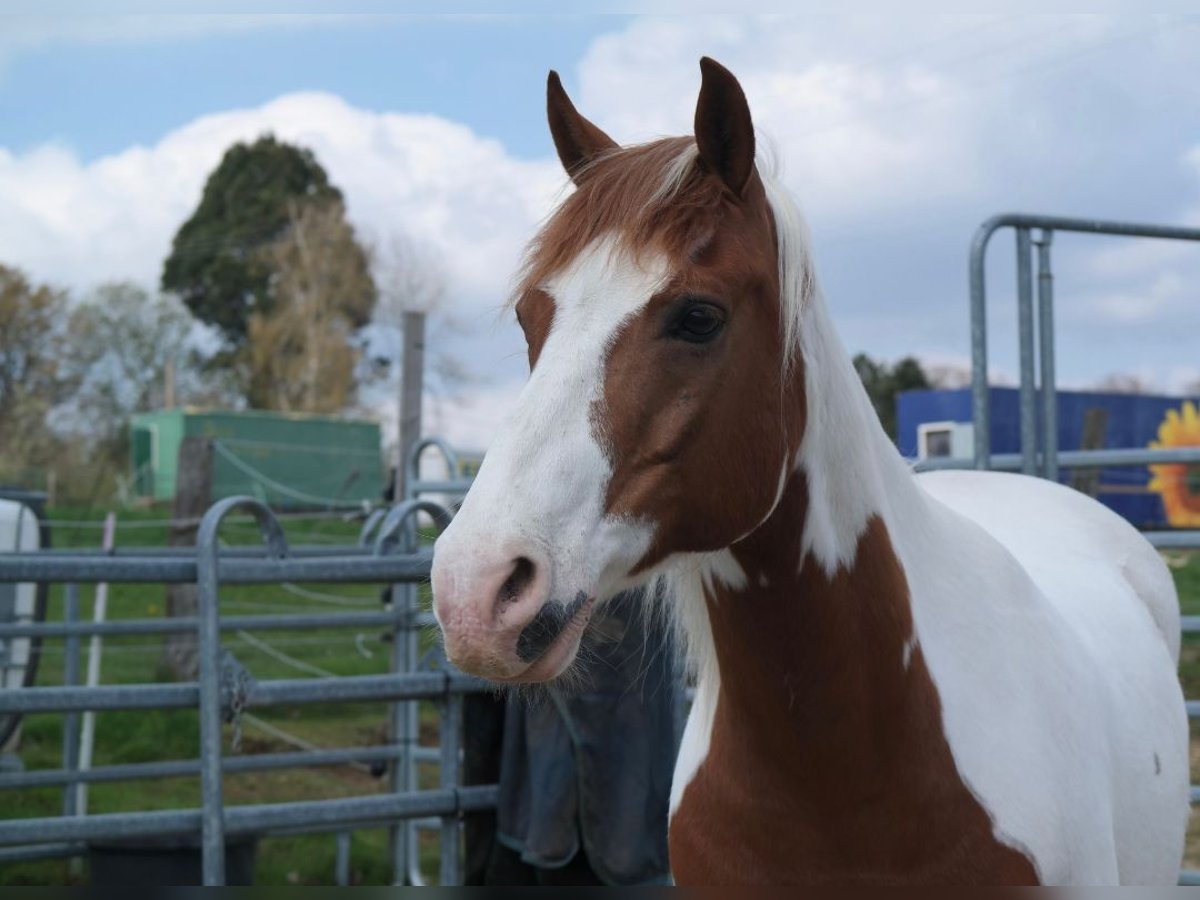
[[590, 767]]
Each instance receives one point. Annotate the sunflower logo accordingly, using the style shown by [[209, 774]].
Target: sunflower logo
[[1177, 483]]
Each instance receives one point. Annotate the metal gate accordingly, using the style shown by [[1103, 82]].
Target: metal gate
[[387, 552]]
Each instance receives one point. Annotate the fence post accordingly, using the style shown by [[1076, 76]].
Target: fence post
[[212, 816], [451, 722], [981, 413], [1045, 298], [193, 493], [400, 526], [71, 679], [412, 385], [1025, 330]]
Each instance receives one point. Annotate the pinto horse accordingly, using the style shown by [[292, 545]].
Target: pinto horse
[[952, 678]]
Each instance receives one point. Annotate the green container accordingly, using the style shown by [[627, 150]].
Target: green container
[[287, 460]]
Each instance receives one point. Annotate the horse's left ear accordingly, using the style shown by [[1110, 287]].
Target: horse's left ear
[[724, 130]]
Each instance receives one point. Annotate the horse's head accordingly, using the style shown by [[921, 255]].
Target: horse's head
[[662, 412]]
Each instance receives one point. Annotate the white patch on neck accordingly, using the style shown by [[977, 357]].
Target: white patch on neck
[[909, 646], [845, 454], [688, 579]]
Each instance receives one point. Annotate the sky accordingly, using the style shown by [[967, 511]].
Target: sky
[[897, 134]]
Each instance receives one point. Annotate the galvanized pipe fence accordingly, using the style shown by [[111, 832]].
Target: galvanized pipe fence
[[387, 552], [1040, 454]]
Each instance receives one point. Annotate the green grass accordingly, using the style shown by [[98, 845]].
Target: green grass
[[130, 737]]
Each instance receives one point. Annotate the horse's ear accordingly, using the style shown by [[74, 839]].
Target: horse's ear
[[724, 130], [576, 139]]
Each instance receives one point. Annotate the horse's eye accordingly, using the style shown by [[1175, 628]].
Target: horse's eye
[[699, 323]]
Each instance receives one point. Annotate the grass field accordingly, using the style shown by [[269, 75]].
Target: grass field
[[126, 737]]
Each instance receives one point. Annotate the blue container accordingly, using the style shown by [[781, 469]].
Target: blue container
[[1133, 421]]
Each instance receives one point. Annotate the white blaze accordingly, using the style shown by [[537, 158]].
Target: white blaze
[[540, 491]]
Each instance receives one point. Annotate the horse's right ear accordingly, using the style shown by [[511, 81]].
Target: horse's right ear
[[577, 140]]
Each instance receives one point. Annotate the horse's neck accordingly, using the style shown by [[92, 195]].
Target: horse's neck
[[811, 626]]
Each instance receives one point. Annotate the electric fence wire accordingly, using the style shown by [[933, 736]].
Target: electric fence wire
[[279, 487]]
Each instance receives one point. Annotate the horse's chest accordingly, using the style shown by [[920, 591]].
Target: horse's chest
[[741, 823]]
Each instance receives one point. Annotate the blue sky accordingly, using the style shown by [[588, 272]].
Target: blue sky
[[102, 96], [899, 135]]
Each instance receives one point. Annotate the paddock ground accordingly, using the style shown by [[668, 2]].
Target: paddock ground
[[126, 737]]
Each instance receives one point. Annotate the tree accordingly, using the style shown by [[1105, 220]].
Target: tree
[[36, 371], [948, 376], [1124, 383], [412, 278], [249, 202], [303, 354], [884, 383], [132, 348]]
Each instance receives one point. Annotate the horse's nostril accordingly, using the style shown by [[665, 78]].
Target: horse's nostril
[[514, 586]]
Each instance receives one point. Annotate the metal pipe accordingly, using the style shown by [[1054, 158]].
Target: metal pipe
[[1049, 385], [182, 624], [316, 815], [413, 463], [123, 570], [398, 734], [70, 753], [184, 768], [1085, 226], [207, 559], [1174, 540], [344, 689], [341, 862], [436, 486], [1079, 459], [28, 852], [308, 551], [1029, 462], [981, 412], [399, 528], [366, 533], [410, 713], [451, 721], [400, 525]]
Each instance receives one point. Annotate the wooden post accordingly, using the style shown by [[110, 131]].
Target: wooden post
[[412, 383], [1095, 425], [193, 494], [169, 384]]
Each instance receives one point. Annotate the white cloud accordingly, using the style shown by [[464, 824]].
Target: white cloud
[[867, 113], [76, 224], [1167, 291]]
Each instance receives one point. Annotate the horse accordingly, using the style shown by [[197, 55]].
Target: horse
[[958, 677]]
